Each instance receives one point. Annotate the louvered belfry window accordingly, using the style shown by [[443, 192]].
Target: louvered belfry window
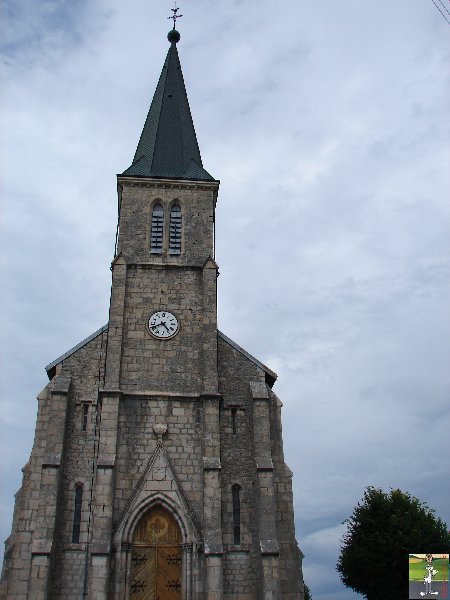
[[156, 243], [236, 494], [77, 513], [175, 230]]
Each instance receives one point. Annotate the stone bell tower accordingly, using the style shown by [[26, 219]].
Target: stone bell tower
[[157, 470]]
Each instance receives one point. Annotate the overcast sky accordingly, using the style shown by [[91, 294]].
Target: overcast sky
[[327, 124]]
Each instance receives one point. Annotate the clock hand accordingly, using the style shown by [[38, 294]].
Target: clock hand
[[163, 323]]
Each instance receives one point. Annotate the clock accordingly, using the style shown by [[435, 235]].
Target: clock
[[163, 324]]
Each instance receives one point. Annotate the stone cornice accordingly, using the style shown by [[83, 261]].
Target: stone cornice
[[171, 184], [164, 266], [110, 392], [211, 396], [160, 394]]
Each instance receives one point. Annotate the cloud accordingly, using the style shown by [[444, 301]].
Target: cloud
[[327, 125]]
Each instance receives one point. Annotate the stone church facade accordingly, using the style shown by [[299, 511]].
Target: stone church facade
[[157, 470]]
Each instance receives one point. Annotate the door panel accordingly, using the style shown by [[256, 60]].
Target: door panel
[[143, 577], [169, 573], [156, 573]]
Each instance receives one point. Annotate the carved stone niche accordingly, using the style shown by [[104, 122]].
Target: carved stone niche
[[160, 429]]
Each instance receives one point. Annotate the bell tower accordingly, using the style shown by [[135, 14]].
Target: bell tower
[[165, 254], [157, 470]]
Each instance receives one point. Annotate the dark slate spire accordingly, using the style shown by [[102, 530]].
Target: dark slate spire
[[168, 146]]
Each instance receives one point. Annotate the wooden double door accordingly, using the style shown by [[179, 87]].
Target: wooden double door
[[156, 558]]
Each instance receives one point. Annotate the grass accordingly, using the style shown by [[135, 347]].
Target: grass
[[417, 569]]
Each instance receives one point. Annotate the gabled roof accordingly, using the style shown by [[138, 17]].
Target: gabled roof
[[271, 376], [168, 145], [50, 368]]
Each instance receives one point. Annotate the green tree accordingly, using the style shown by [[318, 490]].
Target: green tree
[[307, 592], [381, 532]]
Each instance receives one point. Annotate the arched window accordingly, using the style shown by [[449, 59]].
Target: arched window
[[85, 416], [236, 494], [77, 513], [156, 242], [234, 420], [175, 229]]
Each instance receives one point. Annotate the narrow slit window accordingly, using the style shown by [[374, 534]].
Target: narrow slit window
[[175, 230], [236, 494], [157, 236], [85, 416], [77, 513], [234, 419]]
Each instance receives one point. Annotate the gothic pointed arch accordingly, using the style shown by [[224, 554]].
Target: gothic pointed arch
[[157, 530], [157, 526], [175, 228], [157, 231], [156, 556], [163, 502], [148, 493]]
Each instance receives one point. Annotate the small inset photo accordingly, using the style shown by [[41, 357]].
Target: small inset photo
[[428, 576]]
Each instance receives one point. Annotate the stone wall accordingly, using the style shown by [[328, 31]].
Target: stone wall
[[241, 563], [171, 365], [243, 576], [47, 561], [197, 202], [85, 369], [137, 443], [290, 554], [36, 559]]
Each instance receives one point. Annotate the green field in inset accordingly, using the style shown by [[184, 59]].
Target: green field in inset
[[417, 570]]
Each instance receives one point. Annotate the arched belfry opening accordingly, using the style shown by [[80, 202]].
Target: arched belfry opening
[[156, 559]]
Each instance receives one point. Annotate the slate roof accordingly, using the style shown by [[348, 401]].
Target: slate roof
[[168, 145]]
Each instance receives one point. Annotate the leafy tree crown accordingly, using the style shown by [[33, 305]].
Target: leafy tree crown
[[382, 530]]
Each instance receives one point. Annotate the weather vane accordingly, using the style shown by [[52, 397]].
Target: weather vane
[[175, 15]]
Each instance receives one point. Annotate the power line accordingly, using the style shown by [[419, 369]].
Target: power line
[[440, 11], [445, 8]]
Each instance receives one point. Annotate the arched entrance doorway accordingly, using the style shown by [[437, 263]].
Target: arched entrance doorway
[[156, 557]]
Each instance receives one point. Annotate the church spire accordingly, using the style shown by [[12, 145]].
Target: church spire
[[168, 146]]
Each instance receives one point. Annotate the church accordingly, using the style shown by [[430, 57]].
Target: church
[[157, 470]]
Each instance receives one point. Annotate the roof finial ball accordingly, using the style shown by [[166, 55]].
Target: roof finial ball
[[173, 36]]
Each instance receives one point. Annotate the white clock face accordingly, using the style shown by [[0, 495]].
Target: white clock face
[[163, 324]]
